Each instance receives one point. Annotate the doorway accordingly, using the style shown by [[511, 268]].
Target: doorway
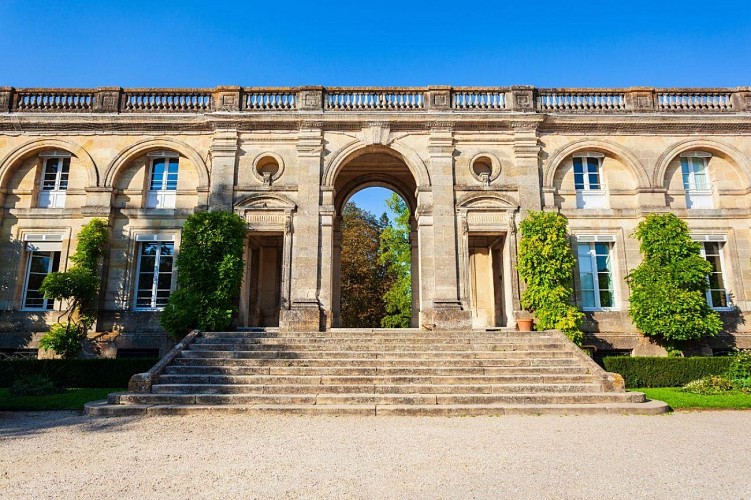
[[486, 288], [264, 277]]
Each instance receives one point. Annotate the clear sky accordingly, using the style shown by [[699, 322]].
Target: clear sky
[[189, 43]]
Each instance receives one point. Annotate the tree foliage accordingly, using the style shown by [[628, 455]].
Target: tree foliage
[[209, 274], [668, 289], [78, 288], [546, 264], [396, 253], [364, 278]]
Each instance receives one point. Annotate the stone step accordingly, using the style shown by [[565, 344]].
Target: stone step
[[378, 363], [335, 345], [355, 380], [237, 342], [378, 399], [102, 408], [375, 354], [282, 389], [392, 334], [510, 371]]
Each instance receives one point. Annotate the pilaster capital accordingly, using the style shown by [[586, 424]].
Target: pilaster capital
[[224, 143]]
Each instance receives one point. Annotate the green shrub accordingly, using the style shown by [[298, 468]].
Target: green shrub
[[64, 339], [740, 370], [91, 373], [665, 372], [546, 264], [710, 385], [668, 289], [32, 385], [209, 273], [78, 288]]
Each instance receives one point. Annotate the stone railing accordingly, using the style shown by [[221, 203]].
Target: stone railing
[[387, 99], [446, 99], [586, 100]]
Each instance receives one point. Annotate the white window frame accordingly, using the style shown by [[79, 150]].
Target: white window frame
[[55, 197], [696, 198], [588, 197], [722, 240], [153, 238], [162, 197], [38, 243], [591, 240]]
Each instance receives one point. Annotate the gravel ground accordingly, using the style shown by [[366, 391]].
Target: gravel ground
[[64, 455]]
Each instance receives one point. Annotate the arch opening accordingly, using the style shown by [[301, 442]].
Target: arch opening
[[374, 268]]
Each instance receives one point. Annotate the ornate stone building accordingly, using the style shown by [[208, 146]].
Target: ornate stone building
[[468, 161]]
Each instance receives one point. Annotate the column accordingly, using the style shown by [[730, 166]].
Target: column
[[448, 313], [224, 147], [304, 313]]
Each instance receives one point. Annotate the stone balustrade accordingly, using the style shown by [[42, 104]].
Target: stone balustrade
[[376, 99]]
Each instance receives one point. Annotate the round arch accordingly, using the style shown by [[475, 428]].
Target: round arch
[[738, 158], [600, 145], [375, 180], [356, 149], [121, 160], [11, 159]]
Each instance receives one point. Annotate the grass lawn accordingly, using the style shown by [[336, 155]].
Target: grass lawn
[[677, 399], [71, 399]]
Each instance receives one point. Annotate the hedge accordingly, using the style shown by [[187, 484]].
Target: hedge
[[89, 373], [665, 372]]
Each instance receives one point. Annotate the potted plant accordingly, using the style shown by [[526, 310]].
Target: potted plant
[[524, 321]]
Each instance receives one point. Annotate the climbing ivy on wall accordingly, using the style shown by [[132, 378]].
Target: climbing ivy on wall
[[78, 288], [546, 264], [668, 289], [209, 273]]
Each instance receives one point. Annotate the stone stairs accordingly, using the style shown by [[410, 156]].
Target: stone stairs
[[376, 372]]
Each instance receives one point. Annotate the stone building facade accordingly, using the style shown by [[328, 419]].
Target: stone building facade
[[469, 162]]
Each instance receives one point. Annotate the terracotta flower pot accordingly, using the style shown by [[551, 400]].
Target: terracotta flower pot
[[524, 325]]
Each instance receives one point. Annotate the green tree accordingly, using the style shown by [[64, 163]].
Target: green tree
[[546, 264], [209, 274], [364, 280], [396, 254], [668, 289], [78, 288]]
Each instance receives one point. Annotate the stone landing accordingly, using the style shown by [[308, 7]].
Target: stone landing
[[376, 372]]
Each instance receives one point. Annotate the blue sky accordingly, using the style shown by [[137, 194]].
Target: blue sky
[[544, 43]]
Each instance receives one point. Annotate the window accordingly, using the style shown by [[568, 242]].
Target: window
[[163, 181], [588, 182], [717, 295], [696, 180], [54, 182], [595, 275], [39, 264], [154, 274]]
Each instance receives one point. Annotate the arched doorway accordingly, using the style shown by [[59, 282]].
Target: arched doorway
[[374, 167]]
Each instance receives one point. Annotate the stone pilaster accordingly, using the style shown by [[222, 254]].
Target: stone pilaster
[[224, 147], [98, 201], [227, 99], [6, 94], [310, 98], [107, 100], [447, 308], [640, 99], [521, 98], [741, 99], [304, 313], [438, 98], [526, 166]]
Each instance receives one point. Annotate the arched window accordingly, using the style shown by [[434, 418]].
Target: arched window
[[54, 184], [590, 190], [163, 173], [696, 180]]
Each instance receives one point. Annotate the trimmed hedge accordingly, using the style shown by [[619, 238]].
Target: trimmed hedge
[[665, 372], [88, 373]]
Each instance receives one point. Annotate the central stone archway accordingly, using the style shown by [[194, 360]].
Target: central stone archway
[[372, 167]]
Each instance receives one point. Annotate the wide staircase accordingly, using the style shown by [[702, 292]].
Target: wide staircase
[[376, 372]]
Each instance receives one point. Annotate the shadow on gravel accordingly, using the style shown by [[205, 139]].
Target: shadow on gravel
[[16, 424]]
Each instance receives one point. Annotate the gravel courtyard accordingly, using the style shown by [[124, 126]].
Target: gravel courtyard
[[64, 455]]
